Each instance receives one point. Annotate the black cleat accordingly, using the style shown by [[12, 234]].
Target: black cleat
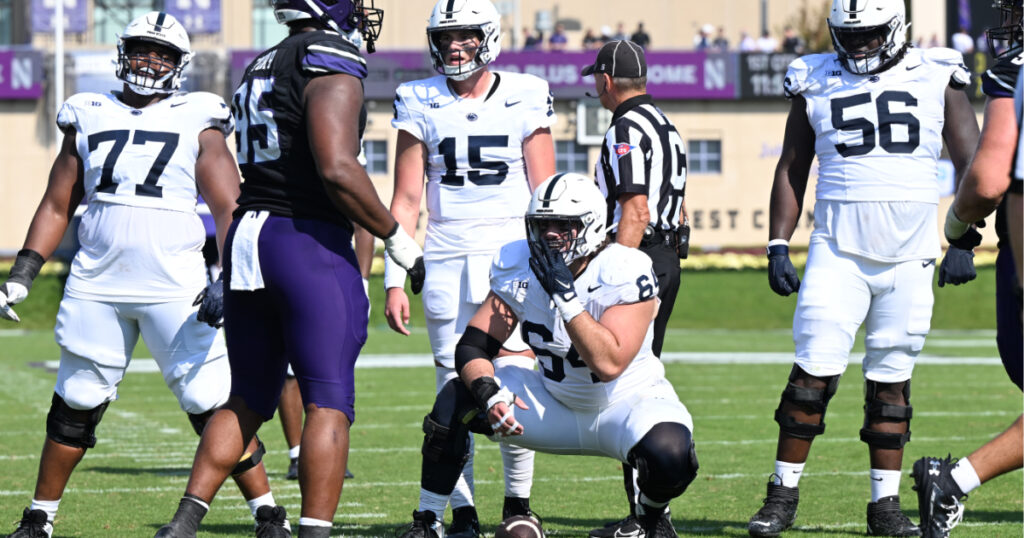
[[424, 525], [624, 528], [778, 512], [654, 522], [516, 506], [465, 523], [293, 470], [272, 522], [33, 524], [348, 474], [886, 519], [309, 531], [186, 520], [938, 496]]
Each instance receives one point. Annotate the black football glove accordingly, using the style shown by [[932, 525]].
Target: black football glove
[[417, 275], [781, 274], [551, 271], [957, 266], [211, 304]]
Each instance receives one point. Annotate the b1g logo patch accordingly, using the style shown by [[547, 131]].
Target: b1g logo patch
[[622, 149]]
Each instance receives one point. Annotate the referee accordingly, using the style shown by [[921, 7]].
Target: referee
[[642, 173]]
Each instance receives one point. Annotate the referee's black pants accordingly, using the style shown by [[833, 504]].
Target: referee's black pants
[[666, 268]]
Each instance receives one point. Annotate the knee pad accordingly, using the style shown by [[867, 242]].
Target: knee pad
[[665, 461], [250, 459], [883, 410], [73, 427], [199, 421], [446, 429], [811, 400]]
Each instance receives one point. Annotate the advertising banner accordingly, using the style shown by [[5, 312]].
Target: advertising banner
[[198, 16], [21, 74], [75, 15]]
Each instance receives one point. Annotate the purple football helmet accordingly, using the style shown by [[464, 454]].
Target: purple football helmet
[[342, 16]]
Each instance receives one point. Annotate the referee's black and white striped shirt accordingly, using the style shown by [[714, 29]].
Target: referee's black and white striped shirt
[[643, 154]]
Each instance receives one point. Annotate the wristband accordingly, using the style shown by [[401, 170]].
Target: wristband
[[568, 309], [26, 267], [394, 274], [483, 389], [954, 228]]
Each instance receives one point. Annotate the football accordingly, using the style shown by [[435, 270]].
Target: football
[[519, 527]]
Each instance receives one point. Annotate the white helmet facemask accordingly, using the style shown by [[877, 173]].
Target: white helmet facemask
[[568, 213], [478, 16], [151, 74]]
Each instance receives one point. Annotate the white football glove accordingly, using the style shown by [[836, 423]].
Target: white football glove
[[11, 293], [403, 248]]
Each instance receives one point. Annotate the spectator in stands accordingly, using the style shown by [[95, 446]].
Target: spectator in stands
[[934, 41], [767, 43], [640, 36], [620, 32], [606, 34], [590, 40], [721, 43], [747, 43], [792, 43], [532, 40], [963, 42], [558, 41], [702, 40]]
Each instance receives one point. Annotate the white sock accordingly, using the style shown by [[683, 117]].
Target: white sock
[[433, 502], [518, 465], [644, 500], [884, 483], [262, 500], [310, 522], [50, 507], [788, 473], [293, 452], [965, 476], [462, 494]]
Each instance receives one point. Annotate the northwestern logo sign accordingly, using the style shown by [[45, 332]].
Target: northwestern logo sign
[[21, 74]]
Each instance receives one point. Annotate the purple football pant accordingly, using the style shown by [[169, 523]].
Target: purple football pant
[[1009, 334], [311, 313]]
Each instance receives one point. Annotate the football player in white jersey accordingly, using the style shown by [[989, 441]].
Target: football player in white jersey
[[139, 158], [586, 306], [875, 113], [482, 139], [995, 173]]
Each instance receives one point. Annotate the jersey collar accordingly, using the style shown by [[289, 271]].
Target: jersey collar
[[630, 104]]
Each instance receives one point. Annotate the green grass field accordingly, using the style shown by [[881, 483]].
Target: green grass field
[[130, 483]]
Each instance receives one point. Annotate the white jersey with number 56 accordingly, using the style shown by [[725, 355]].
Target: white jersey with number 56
[[141, 238], [878, 142], [617, 275], [475, 167]]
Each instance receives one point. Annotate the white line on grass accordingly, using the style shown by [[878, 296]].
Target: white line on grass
[[710, 357]]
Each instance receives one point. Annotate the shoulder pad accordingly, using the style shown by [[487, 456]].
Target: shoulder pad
[[622, 265], [211, 110], [331, 54], [67, 116], [804, 73], [510, 273], [959, 75], [1000, 79], [418, 94]]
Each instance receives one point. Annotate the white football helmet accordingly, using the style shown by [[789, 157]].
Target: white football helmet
[[572, 204], [164, 30], [476, 15], [855, 24]]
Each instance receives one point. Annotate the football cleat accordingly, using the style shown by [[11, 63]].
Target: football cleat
[[886, 519], [623, 528], [465, 523], [424, 525], [272, 522], [778, 512], [516, 506], [348, 474], [33, 524], [186, 520], [293, 470], [938, 496], [654, 523]]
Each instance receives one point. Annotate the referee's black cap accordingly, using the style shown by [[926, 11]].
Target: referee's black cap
[[620, 59]]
